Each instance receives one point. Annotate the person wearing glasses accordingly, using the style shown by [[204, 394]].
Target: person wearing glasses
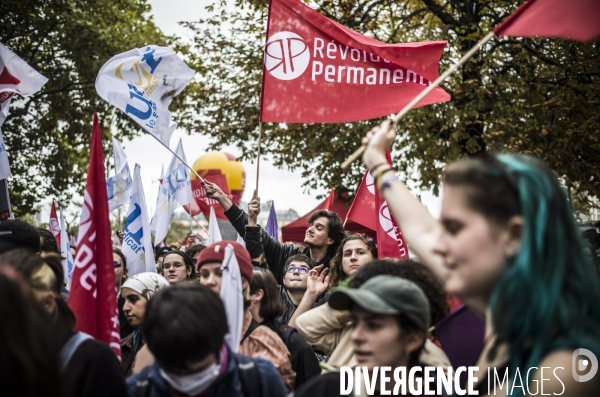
[[177, 266], [295, 279], [354, 252]]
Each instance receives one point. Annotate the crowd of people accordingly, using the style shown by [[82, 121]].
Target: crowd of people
[[506, 245]]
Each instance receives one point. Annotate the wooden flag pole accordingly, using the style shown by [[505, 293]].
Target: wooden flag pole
[[424, 93], [258, 156]]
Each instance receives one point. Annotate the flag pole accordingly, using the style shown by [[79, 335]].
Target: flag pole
[[191, 217], [358, 152], [258, 156], [179, 158]]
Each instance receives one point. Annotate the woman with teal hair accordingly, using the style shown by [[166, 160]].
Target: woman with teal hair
[[508, 246]]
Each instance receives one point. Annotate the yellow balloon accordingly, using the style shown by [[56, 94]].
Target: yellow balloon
[[213, 162]]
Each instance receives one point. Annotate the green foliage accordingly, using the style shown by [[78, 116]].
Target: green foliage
[[68, 41], [178, 231], [536, 96]]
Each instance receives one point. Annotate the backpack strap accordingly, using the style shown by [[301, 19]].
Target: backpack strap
[[69, 348], [249, 375], [253, 325]]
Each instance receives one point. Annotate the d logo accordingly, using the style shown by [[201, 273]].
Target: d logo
[[580, 365], [286, 55]]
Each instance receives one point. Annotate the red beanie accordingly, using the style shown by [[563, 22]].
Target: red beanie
[[216, 253]]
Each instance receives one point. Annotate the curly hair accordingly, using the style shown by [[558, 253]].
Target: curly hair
[[336, 270], [410, 270]]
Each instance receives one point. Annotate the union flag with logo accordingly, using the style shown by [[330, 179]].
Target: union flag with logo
[[371, 210], [318, 71]]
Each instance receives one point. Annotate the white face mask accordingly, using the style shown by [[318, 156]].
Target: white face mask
[[195, 383]]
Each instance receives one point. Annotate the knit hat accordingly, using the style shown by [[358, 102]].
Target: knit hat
[[216, 253]]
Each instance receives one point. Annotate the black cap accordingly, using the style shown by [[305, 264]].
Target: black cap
[[18, 234]]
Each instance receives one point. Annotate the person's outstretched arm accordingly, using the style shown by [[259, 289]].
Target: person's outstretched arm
[[420, 229]]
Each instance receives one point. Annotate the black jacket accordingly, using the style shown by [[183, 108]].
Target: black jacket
[[258, 241]]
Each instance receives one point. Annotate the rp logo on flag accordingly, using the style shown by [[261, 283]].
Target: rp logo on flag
[[286, 55]]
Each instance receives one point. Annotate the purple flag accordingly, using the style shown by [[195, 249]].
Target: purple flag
[[461, 335], [272, 229]]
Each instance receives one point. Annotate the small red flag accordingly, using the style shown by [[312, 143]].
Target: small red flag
[[54, 224], [570, 19], [93, 296], [318, 71], [371, 210]]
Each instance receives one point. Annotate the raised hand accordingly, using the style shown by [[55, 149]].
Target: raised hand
[[213, 191], [377, 141], [253, 209], [318, 281]]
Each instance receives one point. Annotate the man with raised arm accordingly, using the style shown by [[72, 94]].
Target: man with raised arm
[[324, 233]]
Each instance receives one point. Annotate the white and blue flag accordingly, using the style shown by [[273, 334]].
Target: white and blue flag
[[137, 244], [142, 83], [119, 185], [175, 190], [65, 249]]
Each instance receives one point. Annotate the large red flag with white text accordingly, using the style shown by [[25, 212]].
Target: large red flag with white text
[[93, 296], [318, 71], [54, 225], [371, 210], [570, 19]]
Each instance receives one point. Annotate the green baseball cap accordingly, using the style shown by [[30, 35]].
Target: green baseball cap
[[386, 295]]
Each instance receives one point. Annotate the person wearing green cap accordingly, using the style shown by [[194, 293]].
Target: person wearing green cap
[[390, 322]]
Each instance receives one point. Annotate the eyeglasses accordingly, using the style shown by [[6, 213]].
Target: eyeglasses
[[300, 269], [176, 265], [117, 264]]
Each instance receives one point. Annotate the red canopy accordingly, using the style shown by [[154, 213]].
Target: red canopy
[[296, 230]]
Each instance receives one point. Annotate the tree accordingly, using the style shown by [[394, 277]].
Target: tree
[[68, 41], [536, 96]]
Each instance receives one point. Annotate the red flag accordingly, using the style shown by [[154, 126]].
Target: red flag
[[371, 211], [571, 19], [54, 225], [93, 296], [330, 199], [318, 71]]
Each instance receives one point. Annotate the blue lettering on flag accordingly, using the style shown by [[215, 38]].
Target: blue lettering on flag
[[149, 59], [134, 230]]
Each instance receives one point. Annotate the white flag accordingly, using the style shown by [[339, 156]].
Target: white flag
[[4, 164], [175, 190], [137, 244], [16, 76], [232, 297], [178, 179], [214, 233], [119, 185], [65, 249], [142, 82]]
